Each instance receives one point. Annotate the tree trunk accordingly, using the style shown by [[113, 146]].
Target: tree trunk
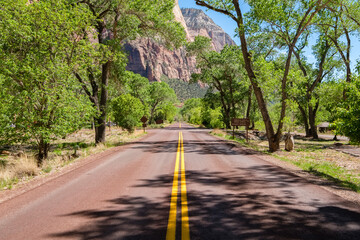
[[312, 120], [100, 130], [274, 144], [249, 103], [305, 120], [43, 150], [152, 111], [252, 126]]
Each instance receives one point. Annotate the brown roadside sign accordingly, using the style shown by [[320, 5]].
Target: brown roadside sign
[[240, 122], [144, 125], [159, 121], [144, 119]]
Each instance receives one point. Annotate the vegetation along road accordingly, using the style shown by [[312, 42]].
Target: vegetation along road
[[179, 182]]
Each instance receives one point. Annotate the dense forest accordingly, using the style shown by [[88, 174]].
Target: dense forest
[[64, 68], [185, 90]]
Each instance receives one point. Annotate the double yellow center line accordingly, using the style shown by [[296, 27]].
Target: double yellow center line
[[171, 228]]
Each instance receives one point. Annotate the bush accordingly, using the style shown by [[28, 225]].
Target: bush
[[348, 122], [127, 111]]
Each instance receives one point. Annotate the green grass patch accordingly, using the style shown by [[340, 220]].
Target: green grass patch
[[330, 172], [8, 184], [47, 169], [3, 163]]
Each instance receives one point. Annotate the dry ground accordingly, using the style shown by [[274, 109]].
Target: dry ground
[[18, 163]]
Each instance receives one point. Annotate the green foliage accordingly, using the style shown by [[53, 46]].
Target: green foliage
[[166, 111], [40, 99], [196, 111], [160, 94], [127, 111], [137, 86], [191, 111], [185, 90], [224, 73], [115, 23], [348, 122]]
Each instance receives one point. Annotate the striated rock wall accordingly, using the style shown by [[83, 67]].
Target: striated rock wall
[[151, 60], [200, 24]]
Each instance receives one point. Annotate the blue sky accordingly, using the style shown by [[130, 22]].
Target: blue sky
[[229, 27], [223, 21]]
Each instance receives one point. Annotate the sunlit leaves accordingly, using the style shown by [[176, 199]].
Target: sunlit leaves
[[38, 47]]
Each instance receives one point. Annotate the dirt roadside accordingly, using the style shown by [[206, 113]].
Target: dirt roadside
[[87, 162]]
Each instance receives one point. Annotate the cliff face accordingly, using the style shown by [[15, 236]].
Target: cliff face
[[199, 24], [152, 60]]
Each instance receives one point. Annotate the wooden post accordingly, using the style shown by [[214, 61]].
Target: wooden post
[[247, 133], [109, 124], [233, 132]]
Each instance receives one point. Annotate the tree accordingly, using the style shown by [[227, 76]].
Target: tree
[[36, 47], [223, 72], [341, 24], [188, 105], [137, 86], [115, 22], [305, 92], [159, 93], [127, 111], [287, 19], [348, 114], [166, 111]]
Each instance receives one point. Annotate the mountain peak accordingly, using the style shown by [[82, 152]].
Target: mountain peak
[[152, 60], [198, 23]]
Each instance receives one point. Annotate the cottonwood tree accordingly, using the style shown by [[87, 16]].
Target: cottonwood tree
[[159, 94], [289, 20], [223, 72], [305, 90], [117, 21], [127, 111], [348, 113], [36, 45], [341, 24]]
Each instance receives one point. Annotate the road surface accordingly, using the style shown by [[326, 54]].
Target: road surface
[[179, 183]]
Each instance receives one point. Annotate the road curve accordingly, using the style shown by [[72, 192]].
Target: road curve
[[226, 193]]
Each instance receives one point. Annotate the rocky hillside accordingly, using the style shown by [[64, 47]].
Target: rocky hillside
[[198, 23], [152, 60]]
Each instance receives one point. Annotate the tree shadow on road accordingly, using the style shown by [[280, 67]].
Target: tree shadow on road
[[223, 205], [210, 147]]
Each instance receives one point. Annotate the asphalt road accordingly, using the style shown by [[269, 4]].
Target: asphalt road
[[186, 185]]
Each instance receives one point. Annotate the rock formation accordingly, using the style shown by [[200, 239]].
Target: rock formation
[[198, 23], [151, 60]]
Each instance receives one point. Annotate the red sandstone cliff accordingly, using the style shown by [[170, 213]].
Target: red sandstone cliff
[[152, 60]]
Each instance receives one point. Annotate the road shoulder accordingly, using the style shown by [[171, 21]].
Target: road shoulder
[[332, 187], [86, 163]]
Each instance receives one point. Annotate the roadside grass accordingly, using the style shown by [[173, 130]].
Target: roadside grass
[[313, 156], [15, 167]]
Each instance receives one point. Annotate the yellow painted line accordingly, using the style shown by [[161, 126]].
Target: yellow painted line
[[179, 125], [171, 228], [185, 233]]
